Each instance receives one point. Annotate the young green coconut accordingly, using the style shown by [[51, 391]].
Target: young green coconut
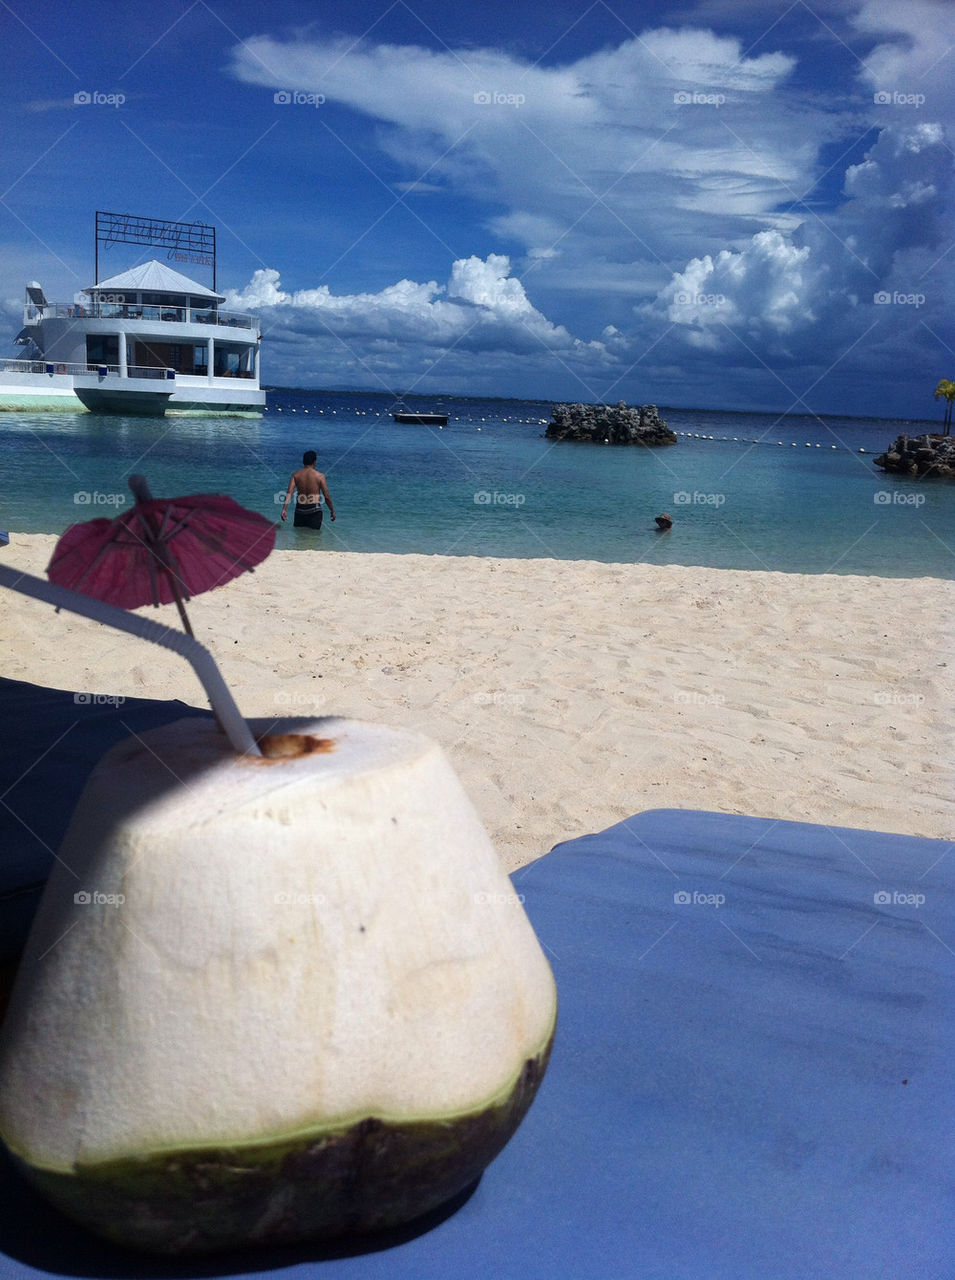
[[273, 996]]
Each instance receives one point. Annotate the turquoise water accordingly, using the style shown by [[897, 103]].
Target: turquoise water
[[488, 484]]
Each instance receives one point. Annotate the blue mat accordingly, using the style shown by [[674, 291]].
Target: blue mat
[[752, 1076]]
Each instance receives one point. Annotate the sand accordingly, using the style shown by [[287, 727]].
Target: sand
[[570, 695]]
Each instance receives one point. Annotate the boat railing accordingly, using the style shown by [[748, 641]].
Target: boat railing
[[22, 366], [144, 371], [50, 367], [132, 371], [133, 311]]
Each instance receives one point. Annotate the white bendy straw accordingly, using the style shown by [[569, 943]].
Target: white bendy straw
[[201, 660]]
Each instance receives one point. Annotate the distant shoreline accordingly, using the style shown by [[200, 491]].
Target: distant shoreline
[[446, 398]]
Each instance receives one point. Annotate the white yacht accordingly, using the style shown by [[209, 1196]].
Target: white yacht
[[147, 341]]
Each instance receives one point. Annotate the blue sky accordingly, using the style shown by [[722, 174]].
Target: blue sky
[[725, 204]]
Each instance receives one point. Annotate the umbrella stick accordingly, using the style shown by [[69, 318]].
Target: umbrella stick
[[201, 660], [181, 607]]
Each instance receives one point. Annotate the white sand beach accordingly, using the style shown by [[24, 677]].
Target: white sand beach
[[569, 695]]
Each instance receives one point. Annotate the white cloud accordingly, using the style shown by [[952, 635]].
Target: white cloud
[[481, 311], [583, 155], [892, 175], [779, 288], [913, 55], [763, 288], [778, 300], [665, 189]]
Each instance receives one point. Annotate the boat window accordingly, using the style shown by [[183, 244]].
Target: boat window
[[228, 359], [152, 354], [102, 348]]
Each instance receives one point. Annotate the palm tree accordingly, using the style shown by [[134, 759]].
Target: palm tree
[[946, 391]]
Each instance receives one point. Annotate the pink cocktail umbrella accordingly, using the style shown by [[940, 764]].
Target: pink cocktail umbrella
[[161, 551]]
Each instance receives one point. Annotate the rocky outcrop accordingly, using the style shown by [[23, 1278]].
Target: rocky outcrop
[[609, 424], [920, 456]]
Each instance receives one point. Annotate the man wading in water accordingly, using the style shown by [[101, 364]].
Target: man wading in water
[[309, 488]]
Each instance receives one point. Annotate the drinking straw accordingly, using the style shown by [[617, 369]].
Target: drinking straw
[[201, 660]]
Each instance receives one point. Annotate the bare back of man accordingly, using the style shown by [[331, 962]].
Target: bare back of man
[[308, 486], [310, 489]]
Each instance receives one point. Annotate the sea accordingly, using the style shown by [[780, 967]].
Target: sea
[[755, 491]]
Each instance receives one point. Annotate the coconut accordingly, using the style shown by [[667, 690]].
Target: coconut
[[271, 998]]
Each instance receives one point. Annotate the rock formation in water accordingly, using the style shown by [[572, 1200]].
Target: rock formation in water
[[609, 424], [920, 456]]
